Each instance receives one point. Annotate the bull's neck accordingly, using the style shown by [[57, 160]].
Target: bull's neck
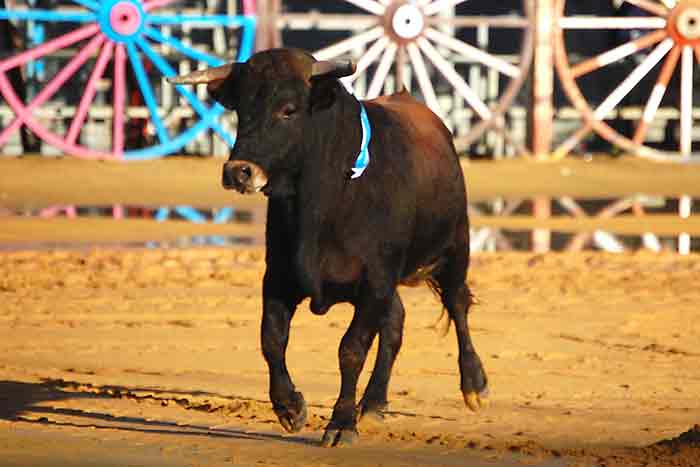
[[340, 137], [323, 186]]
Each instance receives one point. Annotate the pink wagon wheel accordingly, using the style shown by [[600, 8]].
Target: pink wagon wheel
[[419, 37], [126, 34], [668, 48]]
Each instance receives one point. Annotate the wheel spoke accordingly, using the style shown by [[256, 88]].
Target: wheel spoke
[[206, 21], [618, 53], [119, 100], [349, 43], [571, 142], [55, 84], [423, 79], [657, 95], [224, 215], [686, 143], [47, 15], [89, 92], [440, 5], [89, 4], [382, 71], [400, 68], [652, 7], [183, 48], [633, 79], [370, 56], [50, 46], [153, 4], [472, 53], [198, 106], [191, 214], [455, 79], [146, 91], [503, 21], [199, 20], [369, 5], [596, 22]]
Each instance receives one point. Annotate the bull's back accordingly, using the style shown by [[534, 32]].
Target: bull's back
[[426, 131]]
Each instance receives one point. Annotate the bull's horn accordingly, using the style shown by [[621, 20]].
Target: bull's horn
[[203, 76], [335, 68]]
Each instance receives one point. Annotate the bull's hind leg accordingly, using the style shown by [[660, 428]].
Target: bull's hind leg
[[390, 337], [342, 429], [457, 299]]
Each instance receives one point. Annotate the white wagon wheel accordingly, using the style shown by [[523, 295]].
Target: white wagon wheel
[[407, 33], [671, 39]]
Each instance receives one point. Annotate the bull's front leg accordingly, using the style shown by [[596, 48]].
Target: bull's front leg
[[342, 429], [279, 306]]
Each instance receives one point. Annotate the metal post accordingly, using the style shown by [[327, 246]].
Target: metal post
[[543, 111]]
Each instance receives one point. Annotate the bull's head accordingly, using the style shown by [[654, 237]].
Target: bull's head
[[275, 94]]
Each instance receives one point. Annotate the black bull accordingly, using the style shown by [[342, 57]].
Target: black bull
[[336, 239]]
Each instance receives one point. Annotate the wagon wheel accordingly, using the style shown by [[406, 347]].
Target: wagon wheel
[[125, 33], [669, 41], [405, 32]]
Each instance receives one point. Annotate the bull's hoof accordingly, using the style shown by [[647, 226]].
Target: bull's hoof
[[476, 401], [292, 415], [372, 412], [474, 383], [372, 418], [339, 437]]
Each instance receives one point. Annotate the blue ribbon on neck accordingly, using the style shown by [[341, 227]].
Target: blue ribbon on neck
[[362, 160]]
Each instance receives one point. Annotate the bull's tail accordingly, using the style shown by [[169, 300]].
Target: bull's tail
[[444, 297]]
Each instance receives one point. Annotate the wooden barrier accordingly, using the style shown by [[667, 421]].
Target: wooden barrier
[[35, 231], [665, 225], [31, 183], [31, 231]]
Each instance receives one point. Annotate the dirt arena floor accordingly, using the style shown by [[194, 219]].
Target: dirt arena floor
[[152, 357]]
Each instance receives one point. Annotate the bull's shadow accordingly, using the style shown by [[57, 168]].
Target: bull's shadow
[[19, 401]]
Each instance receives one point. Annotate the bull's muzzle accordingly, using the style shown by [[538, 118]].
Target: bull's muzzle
[[244, 177]]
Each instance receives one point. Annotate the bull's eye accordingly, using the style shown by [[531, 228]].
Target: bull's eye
[[288, 111]]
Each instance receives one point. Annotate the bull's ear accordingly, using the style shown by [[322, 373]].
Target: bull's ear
[[222, 82], [324, 92], [324, 81], [225, 91]]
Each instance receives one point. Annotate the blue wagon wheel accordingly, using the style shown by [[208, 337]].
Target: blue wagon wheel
[[125, 33]]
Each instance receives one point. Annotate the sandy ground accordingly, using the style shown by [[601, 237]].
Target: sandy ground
[[148, 357]]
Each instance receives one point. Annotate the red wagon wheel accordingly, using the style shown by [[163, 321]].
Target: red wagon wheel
[[671, 40]]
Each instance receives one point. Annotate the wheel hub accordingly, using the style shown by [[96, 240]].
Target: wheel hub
[[684, 23], [404, 21], [121, 20], [688, 23]]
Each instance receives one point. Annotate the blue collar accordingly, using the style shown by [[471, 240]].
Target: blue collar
[[362, 160]]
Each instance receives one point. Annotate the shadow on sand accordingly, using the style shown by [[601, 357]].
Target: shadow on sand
[[19, 401]]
